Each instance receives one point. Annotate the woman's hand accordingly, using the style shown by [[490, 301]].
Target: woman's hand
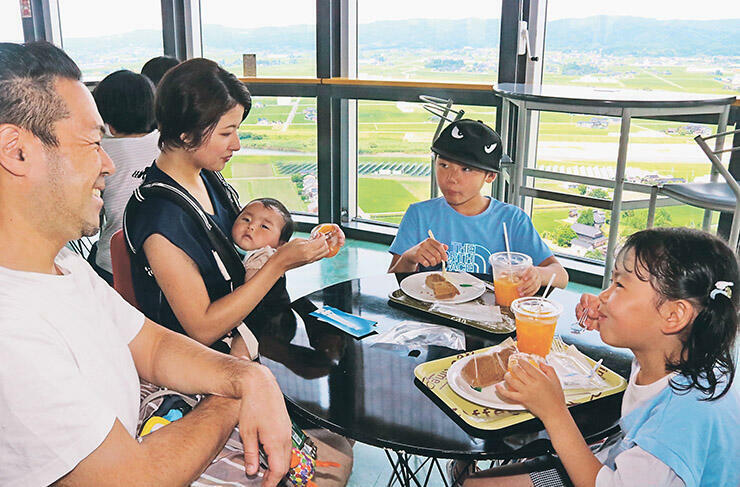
[[536, 388], [300, 251], [589, 303]]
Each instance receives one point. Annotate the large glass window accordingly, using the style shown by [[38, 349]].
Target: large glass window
[[282, 35], [428, 39], [11, 28], [393, 160], [278, 154], [596, 45], [106, 36]]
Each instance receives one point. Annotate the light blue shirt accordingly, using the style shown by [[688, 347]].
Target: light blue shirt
[[698, 440], [471, 239]]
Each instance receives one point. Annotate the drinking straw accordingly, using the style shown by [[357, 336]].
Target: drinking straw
[[444, 264], [544, 295], [506, 239], [549, 283], [508, 251]]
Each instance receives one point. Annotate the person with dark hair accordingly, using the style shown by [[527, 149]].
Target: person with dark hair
[[72, 349], [156, 67], [178, 282], [199, 107], [464, 228], [673, 301], [125, 101]]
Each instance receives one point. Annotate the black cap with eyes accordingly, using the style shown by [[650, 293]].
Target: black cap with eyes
[[470, 142]]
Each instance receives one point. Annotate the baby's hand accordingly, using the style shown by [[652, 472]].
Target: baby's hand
[[536, 388], [428, 253], [589, 302], [530, 282]]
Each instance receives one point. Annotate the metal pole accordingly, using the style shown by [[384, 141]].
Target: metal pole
[[714, 174], [521, 141], [505, 111], [651, 207], [624, 135]]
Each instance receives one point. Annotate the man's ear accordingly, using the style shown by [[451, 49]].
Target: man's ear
[[676, 315], [491, 176], [13, 156]]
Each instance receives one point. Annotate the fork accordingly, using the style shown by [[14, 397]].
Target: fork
[[577, 326], [444, 264], [558, 345]]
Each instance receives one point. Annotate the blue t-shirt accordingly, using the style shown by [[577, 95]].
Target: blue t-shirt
[[471, 239], [163, 217], [699, 440]]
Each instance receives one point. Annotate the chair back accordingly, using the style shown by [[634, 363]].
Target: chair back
[[121, 264]]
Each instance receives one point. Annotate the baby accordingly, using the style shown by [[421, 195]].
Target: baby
[[263, 225]]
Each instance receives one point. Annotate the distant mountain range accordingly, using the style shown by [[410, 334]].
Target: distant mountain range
[[601, 34]]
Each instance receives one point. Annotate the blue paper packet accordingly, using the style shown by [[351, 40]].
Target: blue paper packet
[[356, 326]]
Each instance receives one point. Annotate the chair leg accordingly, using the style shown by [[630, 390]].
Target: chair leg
[[707, 220], [651, 206], [735, 230]]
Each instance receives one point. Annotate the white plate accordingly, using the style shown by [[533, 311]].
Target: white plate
[[415, 287], [486, 397]]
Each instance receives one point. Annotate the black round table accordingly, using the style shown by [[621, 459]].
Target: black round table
[[369, 393]]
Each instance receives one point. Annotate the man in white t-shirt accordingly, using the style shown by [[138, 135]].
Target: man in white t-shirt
[[70, 347]]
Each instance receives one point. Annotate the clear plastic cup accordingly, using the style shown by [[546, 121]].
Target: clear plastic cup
[[536, 319], [519, 357], [508, 268]]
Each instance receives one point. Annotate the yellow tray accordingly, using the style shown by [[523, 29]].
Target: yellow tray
[[433, 375]]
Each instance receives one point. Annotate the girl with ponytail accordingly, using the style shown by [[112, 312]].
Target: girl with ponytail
[[673, 301]]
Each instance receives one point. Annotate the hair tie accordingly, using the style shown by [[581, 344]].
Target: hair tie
[[722, 287]]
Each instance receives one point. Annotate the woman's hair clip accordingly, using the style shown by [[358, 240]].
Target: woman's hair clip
[[722, 287]]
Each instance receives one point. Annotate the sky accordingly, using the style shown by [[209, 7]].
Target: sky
[[126, 15]]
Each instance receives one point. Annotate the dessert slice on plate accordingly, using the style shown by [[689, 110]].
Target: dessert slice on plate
[[442, 288]]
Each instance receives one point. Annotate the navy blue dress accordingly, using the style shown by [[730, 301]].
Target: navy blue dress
[[163, 217]]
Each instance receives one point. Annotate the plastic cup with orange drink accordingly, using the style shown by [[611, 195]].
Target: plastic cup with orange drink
[[536, 319], [508, 268]]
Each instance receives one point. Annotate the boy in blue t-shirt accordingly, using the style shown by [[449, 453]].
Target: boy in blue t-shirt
[[467, 226]]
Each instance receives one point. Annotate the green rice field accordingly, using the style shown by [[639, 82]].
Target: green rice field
[[393, 138]]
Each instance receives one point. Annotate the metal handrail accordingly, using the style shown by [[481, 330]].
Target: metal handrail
[[734, 186]]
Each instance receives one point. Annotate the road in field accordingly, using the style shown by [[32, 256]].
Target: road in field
[[291, 115], [663, 79]]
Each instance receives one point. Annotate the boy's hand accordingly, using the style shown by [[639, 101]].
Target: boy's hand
[[530, 283], [536, 388], [589, 302], [427, 253]]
